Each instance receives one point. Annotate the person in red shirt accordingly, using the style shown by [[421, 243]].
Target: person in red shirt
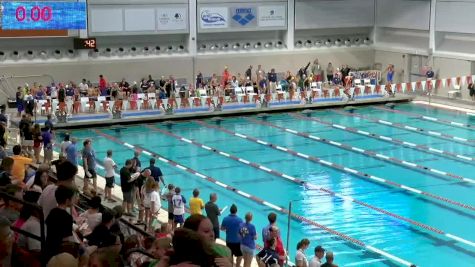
[[102, 84], [274, 233], [226, 77]]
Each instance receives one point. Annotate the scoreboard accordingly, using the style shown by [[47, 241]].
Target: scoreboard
[[43, 15]]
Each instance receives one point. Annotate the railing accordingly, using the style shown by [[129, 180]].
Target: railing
[[9, 89], [42, 238]]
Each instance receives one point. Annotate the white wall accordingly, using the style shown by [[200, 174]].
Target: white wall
[[406, 14], [400, 64], [182, 67], [455, 16]]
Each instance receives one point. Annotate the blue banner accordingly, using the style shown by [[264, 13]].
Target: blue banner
[[42, 15]]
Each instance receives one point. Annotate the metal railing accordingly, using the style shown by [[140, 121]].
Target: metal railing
[[9, 90]]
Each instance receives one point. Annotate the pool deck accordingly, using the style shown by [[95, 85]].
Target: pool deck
[[229, 109]]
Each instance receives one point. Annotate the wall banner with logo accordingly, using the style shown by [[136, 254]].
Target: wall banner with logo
[[243, 17], [213, 17], [272, 16], [172, 18]]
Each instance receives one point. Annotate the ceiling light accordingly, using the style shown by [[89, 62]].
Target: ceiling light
[[338, 42], [247, 46], [279, 44], [367, 41], [29, 54], [15, 54], [348, 42], [357, 41], [157, 49], [170, 48], [258, 45], [225, 46], [2, 55], [318, 43], [268, 45], [57, 53], [328, 42], [236, 46]]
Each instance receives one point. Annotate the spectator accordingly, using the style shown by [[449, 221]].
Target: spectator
[[151, 201], [64, 145], [272, 218], [26, 134], [300, 258], [65, 172], [105, 258], [110, 167], [329, 263], [248, 73], [20, 104], [92, 217], [5, 171], [101, 233], [272, 77], [102, 85], [179, 202], [471, 90], [20, 163], [199, 80], [430, 73], [159, 249], [316, 71], [203, 227], [72, 152], [137, 167], [115, 227], [49, 122], [169, 196], [225, 77], [156, 172], [260, 72], [330, 71], [213, 212], [317, 259], [189, 248], [390, 73], [126, 183], [89, 165], [196, 203], [37, 142], [83, 87], [6, 242], [133, 247], [59, 223], [39, 182], [268, 257], [3, 117], [32, 226], [63, 260], [47, 137], [11, 209], [248, 237], [231, 224], [163, 231], [274, 233]]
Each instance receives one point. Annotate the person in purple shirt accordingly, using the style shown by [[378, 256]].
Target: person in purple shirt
[[47, 137], [232, 224], [248, 237]]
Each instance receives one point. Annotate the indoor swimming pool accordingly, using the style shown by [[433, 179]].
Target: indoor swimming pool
[[378, 186]]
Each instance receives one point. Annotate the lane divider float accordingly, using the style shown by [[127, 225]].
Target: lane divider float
[[427, 118], [341, 168], [258, 200], [458, 110], [419, 147], [307, 184], [369, 153], [461, 140]]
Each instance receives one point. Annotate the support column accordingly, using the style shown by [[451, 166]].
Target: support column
[[290, 24], [192, 36]]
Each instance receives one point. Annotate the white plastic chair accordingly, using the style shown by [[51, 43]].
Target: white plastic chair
[[202, 92], [84, 103], [367, 81]]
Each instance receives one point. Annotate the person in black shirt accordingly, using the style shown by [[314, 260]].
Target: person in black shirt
[[248, 73], [3, 117], [5, 171], [303, 71], [127, 185], [61, 94], [268, 256], [199, 80], [156, 172], [59, 223], [102, 232]]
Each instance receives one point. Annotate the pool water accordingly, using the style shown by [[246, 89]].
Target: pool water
[[390, 234]]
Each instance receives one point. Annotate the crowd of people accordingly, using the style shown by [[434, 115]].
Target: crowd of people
[[167, 87], [95, 236]]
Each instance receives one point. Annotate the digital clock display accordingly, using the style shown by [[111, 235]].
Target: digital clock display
[[85, 43], [43, 15]]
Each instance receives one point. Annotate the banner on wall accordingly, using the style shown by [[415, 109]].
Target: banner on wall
[[214, 17], [272, 16], [170, 19], [243, 17]]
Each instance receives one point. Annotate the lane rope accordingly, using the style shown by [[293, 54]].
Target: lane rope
[[303, 183], [427, 118], [458, 110], [461, 140], [419, 147], [256, 199], [369, 153], [341, 168]]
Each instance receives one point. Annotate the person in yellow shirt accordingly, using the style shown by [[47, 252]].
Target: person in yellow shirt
[[196, 203], [20, 164]]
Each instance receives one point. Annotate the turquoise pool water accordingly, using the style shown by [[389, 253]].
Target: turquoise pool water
[[388, 233]]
